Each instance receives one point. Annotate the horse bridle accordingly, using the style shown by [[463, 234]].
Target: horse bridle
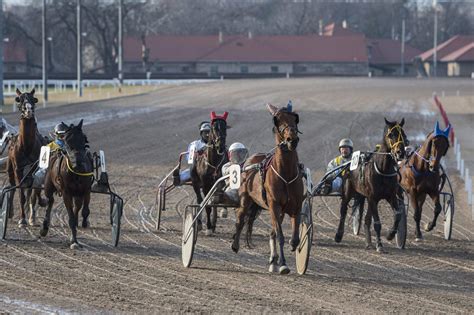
[[430, 153], [26, 100]]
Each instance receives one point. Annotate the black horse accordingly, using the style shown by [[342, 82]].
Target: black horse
[[377, 179], [70, 174], [206, 168]]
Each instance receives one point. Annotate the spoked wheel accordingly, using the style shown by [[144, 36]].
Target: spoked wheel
[[161, 205], [4, 211], [189, 237], [448, 217], [306, 237], [401, 236], [116, 216]]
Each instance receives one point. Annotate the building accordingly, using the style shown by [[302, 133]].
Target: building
[[455, 57]]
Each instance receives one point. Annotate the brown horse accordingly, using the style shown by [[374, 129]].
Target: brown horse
[[207, 165], [23, 153], [420, 175], [70, 174], [283, 186], [376, 179]]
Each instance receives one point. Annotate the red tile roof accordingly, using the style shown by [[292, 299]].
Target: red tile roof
[[309, 48], [388, 51], [451, 45], [14, 51], [465, 53]]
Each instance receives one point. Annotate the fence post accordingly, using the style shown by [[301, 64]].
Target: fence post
[[466, 180], [462, 168]]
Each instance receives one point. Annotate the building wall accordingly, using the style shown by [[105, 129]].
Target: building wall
[[467, 69], [217, 68], [393, 70], [327, 68], [441, 68]]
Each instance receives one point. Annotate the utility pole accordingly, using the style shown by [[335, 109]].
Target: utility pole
[[435, 39], [1, 53], [402, 69], [45, 75], [79, 50], [120, 37]]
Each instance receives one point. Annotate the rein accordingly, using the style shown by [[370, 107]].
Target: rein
[[70, 169]]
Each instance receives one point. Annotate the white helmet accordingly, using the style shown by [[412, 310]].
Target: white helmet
[[237, 153], [346, 143], [205, 126]]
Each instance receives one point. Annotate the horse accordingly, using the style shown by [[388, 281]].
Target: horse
[[280, 189], [23, 154], [206, 168], [420, 175], [376, 179], [70, 173]]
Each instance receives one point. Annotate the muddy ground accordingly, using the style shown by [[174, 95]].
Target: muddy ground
[[142, 136]]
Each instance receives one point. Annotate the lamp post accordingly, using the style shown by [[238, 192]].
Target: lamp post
[[45, 75], [1, 53], [120, 38], [435, 38], [79, 50]]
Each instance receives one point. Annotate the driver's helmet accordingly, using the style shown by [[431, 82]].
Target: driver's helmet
[[237, 153], [205, 126], [346, 143], [60, 130]]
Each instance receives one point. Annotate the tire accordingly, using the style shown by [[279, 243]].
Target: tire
[[189, 237], [448, 219], [116, 220], [4, 210], [306, 238]]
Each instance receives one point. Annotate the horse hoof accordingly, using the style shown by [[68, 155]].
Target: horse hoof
[[391, 235], [294, 244], [284, 270], [272, 268], [428, 227], [368, 246], [43, 232], [199, 226], [419, 239], [32, 222], [223, 213], [235, 247], [75, 246], [208, 232], [338, 238], [85, 224], [22, 223], [380, 249]]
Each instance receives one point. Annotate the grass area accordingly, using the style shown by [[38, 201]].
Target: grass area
[[93, 93]]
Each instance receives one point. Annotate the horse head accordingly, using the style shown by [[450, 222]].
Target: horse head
[[438, 145], [76, 144], [285, 126], [26, 103], [218, 133], [395, 138]]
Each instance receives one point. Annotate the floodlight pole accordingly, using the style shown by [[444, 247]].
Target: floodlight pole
[[79, 50], [45, 75]]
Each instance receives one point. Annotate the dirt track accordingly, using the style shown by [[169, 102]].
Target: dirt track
[[142, 137]]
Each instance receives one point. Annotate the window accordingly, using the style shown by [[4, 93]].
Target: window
[[274, 69], [300, 69], [159, 69], [244, 69], [185, 69], [214, 70]]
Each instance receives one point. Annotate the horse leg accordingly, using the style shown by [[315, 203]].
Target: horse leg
[[241, 214], [378, 229], [12, 181], [253, 216], [418, 206], [22, 221], [86, 210], [397, 216], [437, 210], [342, 220], [368, 224], [48, 192], [277, 218], [31, 202], [78, 201], [68, 202], [295, 228], [197, 191], [273, 253]]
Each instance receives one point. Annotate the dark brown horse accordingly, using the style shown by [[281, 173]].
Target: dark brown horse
[[376, 179], [283, 185], [23, 153], [206, 168], [420, 175], [70, 174]]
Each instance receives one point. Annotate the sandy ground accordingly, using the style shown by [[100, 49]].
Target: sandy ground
[[142, 136]]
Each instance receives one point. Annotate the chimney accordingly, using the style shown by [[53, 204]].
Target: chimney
[[344, 24], [250, 35], [221, 37]]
